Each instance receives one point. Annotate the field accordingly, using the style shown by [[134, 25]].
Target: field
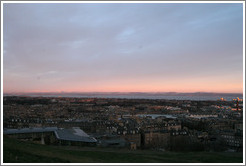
[[15, 151]]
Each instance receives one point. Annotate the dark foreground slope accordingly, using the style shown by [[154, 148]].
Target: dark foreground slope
[[15, 151]]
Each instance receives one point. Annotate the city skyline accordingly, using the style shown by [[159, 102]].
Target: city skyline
[[107, 47]]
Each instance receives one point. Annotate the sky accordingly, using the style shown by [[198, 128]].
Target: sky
[[129, 47]]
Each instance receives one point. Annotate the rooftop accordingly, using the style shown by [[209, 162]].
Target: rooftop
[[30, 130], [73, 134]]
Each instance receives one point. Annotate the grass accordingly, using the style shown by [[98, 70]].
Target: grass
[[16, 151]]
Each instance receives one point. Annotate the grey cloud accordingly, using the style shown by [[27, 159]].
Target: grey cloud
[[96, 41]]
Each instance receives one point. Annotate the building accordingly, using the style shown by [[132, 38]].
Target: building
[[53, 135], [156, 139]]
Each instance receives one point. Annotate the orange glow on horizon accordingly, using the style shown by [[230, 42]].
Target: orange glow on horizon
[[211, 84], [140, 88]]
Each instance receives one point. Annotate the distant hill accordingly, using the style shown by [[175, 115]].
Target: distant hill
[[127, 94]]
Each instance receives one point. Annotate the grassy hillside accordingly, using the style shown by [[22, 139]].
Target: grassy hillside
[[15, 151]]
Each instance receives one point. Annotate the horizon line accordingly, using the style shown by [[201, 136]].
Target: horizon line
[[64, 92]]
